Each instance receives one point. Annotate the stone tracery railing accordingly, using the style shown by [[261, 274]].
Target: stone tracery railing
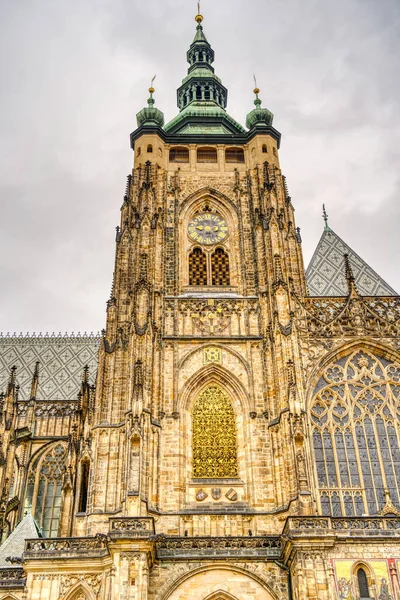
[[218, 547], [12, 577], [349, 316], [363, 526], [68, 547], [131, 526]]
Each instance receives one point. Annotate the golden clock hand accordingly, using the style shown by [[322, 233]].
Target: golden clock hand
[[216, 228], [200, 227]]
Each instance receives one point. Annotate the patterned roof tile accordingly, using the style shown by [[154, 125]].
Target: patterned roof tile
[[326, 272], [61, 362]]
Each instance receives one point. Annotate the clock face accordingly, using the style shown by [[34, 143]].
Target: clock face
[[208, 229]]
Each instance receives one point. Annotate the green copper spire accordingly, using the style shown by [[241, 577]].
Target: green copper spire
[[201, 84], [258, 116], [150, 116], [202, 98]]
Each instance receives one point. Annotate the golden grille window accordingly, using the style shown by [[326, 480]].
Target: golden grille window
[[179, 155], [220, 267], [197, 267], [207, 155], [234, 155], [214, 435]]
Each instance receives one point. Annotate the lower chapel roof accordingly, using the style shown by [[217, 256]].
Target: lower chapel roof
[[326, 273], [62, 360]]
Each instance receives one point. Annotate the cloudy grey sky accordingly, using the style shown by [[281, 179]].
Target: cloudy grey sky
[[74, 74]]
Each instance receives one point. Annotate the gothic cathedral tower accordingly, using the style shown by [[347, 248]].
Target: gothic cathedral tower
[[242, 439]]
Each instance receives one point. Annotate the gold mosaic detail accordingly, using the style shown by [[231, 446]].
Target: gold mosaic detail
[[214, 435], [212, 355]]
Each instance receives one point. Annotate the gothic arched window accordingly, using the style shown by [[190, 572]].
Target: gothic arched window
[[220, 267], [355, 417], [44, 490], [362, 584], [197, 267], [214, 435]]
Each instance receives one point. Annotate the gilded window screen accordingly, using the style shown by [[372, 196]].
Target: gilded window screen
[[355, 416], [214, 435], [44, 490], [197, 267], [220, 267]]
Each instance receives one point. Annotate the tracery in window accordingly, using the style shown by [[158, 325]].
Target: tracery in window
[[355, 419], [214, 435], [220, 267], [44, 490], [197, 267]]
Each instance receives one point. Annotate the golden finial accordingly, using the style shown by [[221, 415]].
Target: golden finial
[[151, 88], [199, 16], [256, 88]]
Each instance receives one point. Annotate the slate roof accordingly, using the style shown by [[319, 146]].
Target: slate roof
[[326, 272], [61, 363], [15, 543]]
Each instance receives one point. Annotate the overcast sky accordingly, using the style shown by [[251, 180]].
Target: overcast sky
[[74, 74]]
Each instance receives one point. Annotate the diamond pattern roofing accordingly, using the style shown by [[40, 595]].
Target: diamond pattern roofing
[[61, 363], [326, 272]]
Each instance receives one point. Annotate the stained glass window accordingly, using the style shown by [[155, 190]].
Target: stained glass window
[[355, 421], [44, 490]]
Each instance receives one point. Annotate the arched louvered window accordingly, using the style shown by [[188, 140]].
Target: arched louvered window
[[234, 155], [207, 155], [220, 267], [149, 148], [179, 155], [355, 418], [214, 435], [197, 267], [44, 490], [362, 584]]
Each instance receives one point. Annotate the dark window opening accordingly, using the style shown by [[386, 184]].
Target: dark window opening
[[234, 155], [207, 155], [264, 149], [198, 93], [179, 155], [150, 148], [83, 493], [362, 583]]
